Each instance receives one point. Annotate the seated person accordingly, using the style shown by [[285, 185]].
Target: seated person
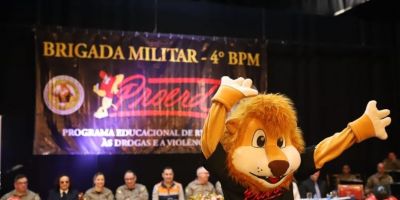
[[131, 190], [168, 189], [200, 186], [313, 185], [21, 191], [99, 191], [346, 175], [380, 178], [391, 163], [63, 190], [218, 188]]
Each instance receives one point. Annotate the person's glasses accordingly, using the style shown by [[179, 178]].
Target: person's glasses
[[64, 182]]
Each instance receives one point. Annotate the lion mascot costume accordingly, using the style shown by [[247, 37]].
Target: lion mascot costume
[[253, 145]]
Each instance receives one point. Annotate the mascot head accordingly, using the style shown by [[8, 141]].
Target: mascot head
[[263, 142]]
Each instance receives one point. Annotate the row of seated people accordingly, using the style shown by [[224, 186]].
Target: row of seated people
[[378, 186], [167, 189], [383, 184], [170, 189]]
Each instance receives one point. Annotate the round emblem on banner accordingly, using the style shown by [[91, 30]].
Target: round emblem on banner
[[63, 95]]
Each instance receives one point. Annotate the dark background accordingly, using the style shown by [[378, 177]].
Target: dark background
[[330, 66]]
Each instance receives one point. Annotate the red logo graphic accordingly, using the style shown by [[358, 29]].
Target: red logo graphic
[[183, 97], [106, 90]]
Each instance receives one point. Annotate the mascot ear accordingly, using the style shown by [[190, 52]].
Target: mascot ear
[[232, 125]]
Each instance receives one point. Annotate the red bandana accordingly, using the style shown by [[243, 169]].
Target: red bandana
[[250, 195]]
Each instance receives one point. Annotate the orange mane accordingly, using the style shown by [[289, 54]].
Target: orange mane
[[279, 116]]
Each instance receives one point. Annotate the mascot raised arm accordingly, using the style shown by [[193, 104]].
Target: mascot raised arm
[[253, 145]]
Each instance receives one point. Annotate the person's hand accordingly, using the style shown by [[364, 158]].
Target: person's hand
[[240, 84], [379, 119]]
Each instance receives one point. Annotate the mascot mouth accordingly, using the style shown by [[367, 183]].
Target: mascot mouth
[[269, 179]]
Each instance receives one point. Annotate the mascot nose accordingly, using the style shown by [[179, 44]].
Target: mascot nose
[[278, 167]]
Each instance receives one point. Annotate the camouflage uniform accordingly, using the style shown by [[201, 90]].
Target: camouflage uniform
[[91, 194], [137, 193], [195, 188], [29, 195]]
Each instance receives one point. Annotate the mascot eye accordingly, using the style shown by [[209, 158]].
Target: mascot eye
[[259, 139], [281, 142]]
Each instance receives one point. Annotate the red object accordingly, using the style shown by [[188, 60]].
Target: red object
[[372, 197], [102, 74], [250, 195], [357, 191], [106, 85]]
